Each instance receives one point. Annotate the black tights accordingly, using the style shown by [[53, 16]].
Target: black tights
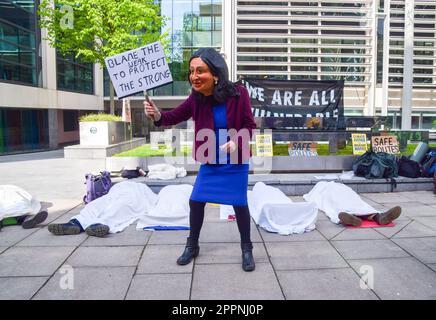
[[196, 217]]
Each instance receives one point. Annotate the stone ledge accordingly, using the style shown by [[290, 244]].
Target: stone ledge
[[101, 152]]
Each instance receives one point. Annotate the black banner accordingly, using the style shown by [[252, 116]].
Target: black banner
[[296, 98]]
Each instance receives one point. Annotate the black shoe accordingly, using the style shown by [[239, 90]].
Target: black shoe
[[191, 251], [97, 230], [62, 229], [247, 257], [349, 219], [31, 221], [388, 216]]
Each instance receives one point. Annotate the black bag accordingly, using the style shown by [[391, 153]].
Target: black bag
[[409, 168], [429, 164], [131, 174], [373, 165]]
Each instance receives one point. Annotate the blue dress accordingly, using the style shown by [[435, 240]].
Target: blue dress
[[222, 183]]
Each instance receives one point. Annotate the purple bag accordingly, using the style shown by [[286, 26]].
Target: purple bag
[[97, 186]]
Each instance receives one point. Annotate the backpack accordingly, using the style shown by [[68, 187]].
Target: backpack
[[131, 174], [409, 168], [429, 164], [97, 186], [373, 165]]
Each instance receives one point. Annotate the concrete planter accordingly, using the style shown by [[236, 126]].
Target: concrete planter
[[104, 133]]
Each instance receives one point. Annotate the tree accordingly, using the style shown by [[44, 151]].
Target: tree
[[96, 29]]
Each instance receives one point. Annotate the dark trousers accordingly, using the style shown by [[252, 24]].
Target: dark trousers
[[196, 217]]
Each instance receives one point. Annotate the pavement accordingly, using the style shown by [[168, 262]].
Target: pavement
[[328, 263]]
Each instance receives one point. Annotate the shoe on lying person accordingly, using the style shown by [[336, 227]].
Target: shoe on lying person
[[31, 221], [388, 216], [349, 219], [97, 230], [62, 229]]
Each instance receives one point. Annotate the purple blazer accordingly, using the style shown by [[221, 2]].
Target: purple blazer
[[239, 117]]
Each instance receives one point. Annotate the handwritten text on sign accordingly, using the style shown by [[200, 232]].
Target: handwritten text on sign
[[264, 145], [388, 144], [359, 143], [139, 70]]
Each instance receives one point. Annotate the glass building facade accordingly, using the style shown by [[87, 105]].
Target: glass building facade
[[73, 75], [191, 24]]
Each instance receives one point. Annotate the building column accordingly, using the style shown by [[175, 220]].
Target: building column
[[229, 36], [53, 134], [373, 68], [386, 54], [406, 107]]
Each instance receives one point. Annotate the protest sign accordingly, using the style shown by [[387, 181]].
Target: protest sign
[[388, 144], [264, 145], [138, 70], [303, 148], [359, 143]]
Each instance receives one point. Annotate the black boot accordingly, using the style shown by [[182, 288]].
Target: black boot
[[191, 251], [247, 256]]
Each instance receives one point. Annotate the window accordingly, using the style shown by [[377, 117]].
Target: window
[[73, 75], [71, 120]]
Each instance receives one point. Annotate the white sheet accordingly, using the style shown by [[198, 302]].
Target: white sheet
[[333, 198], [15, 202], [164, 171], [125, 203]]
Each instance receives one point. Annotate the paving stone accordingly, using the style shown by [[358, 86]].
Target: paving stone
[[318, 284], [33, 261], [389, 232], [432, 266], [225, 232], [368, 249], [384, 197], [329, 229], [313, 235], [3, 249], [304, 255], [427, 221], [43, 238], [415, 230], [418, 210], [105, 257], [424, 249], [129, 237], [18, 288], [228, 253], [399, 278], [162, 259], [10, 235], [425, 197], [169, 237], [230, 282], [359, 234], [100, 283], [160, 287]]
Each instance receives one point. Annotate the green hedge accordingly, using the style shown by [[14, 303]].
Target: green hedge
[[100, 117]]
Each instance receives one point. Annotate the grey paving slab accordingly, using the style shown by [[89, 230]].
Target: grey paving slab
[[225, 232], [43, 238], [427, 221], [318, 284], [313, 235], [304, 255], [322, 216], [424, 249], [168, 237], [417, 210], [369, 249], [230, 282], [105, 257], [329, 229], [160, 287], [228, 253], [11, 235], [389, 232], [3, 249], [399, 278], [415, 230], [432, 266], [129, 237], [162, 259], [426, 197], [212, 214], [20, 288], [99, 283], [393, 197], [32, 261], [359, 234]]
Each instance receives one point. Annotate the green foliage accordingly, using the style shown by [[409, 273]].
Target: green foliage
[[100, 117], [96, 29]]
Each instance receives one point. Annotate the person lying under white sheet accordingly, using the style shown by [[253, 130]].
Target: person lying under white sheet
[[343, 205]]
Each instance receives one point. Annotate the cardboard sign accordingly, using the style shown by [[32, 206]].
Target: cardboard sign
[[388, 144], [359, 143], [138, 70], [264, 145], [303, 149]]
